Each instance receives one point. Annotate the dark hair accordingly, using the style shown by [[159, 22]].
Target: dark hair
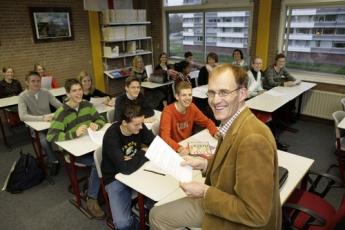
[[31, 73], [130, 79], [130, 112], [70, 82], [240, 74], [4, 69], [212, 55], [240, 51], [159, 57], [180, 66], [188, 54], [278, 56], [36, 66], [182, 85]]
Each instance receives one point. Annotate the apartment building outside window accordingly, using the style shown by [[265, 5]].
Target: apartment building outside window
[[314, 39]]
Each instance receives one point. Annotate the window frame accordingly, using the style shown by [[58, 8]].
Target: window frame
[[204, 7], [327, 78]]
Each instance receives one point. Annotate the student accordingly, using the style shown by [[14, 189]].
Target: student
[[34, 105], [89, 89], [138, 68], [179, 118], [183, 69], [72, 121], [132, 95], [42, 72], [241, 190], [277, 74], [9, 86], [237, 54], [163, 62], [211, 62], [188, 56], [123, 153], [255, 76]]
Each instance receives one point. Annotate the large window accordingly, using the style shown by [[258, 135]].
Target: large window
[[314, 39], [210, 31], [181, 2]]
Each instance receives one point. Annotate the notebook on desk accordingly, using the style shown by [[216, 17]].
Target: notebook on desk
[[283, 175]]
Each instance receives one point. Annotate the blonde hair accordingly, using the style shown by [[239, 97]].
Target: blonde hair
[[80, 77], [135, 61], [240, 75]]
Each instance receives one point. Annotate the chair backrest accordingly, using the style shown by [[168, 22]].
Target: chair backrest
[[343, 103], [111, 115], [97, 156], [337, 117], [155, 127]]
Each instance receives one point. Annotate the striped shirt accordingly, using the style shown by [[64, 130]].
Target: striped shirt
[[67, 120], [223, 129]]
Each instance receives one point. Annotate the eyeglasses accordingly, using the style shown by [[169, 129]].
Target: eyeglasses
[[221, 93]]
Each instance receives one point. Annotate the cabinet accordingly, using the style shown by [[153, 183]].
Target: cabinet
[[124, 35]]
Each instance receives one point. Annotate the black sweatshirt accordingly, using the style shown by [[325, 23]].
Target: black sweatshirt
[[116, 146]]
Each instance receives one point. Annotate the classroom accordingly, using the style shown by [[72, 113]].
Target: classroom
[[172, 114]]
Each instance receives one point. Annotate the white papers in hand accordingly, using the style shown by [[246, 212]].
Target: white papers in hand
[[165, 158], [96, 136], [274, 93]]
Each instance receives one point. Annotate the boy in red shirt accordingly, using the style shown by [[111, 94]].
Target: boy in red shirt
[[178, 119]]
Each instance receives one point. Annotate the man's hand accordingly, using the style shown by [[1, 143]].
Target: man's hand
[[217, 135], [289, 83], [183, 151], [81, 130], [93, 126], [197, 163], [48, 117], [194, 189], [127, 158]]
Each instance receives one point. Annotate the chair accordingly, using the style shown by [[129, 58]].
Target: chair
[[155, 127], [343, 103], [307, 209], [338, 116], [97, 156], [111, 115]]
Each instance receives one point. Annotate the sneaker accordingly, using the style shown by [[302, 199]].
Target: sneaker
[[54, 168], [94, 209]]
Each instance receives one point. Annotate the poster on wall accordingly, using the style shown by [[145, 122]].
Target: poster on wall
[[51, 24]]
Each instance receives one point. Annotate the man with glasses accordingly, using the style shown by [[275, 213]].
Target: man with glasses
[[241, 190]]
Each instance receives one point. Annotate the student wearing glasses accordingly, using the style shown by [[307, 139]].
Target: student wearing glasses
[[179, 118]]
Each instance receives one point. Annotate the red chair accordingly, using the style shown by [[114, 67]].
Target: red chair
[[308, 210]]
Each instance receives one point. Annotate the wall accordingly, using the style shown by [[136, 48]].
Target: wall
[[62, 59]]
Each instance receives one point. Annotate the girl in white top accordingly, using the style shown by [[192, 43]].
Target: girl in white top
[[255, 78]]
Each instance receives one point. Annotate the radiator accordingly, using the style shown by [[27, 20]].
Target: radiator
[[321, 104]]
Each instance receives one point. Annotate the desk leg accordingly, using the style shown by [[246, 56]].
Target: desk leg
[[141, 211], [300, 99], [39, 155], [75, 186], [3, 131]]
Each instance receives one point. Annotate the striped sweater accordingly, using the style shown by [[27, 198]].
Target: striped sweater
[[67, 120]]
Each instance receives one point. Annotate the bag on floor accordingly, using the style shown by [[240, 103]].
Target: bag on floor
[[25, 174]]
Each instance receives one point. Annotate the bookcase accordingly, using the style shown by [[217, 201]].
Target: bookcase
[[124, 35]]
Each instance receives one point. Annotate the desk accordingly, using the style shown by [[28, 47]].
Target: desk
[[11, 101], [153, 85], [341, 125], [200, 92]]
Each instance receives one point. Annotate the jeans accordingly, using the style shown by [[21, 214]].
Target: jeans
[[46, 146], [94, 181], [120, 199]]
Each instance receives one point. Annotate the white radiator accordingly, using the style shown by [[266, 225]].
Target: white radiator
[[321, 104]]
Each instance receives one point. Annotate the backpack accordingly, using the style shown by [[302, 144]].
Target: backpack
[[25, 174]]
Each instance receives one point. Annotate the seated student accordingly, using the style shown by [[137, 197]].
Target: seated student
[[188, 56], [211, 62], [34, 105], [132, 95], [255, 76], [237, 54], [9, 86], [89, 89], [123, 153], [42, 72], [163, 62], [178, 119], [71, 121], [183, 69], [277, 74], [138, 68]]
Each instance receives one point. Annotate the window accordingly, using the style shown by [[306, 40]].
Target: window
[[182, 2], [314, 39], [224, 31]]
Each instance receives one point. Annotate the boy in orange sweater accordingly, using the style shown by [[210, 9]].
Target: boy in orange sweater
[[178, 119]]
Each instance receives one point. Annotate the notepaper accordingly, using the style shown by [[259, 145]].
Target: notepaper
[[96, 136], [165, 158]]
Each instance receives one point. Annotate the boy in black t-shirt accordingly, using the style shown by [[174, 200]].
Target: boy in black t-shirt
[[123, 153]]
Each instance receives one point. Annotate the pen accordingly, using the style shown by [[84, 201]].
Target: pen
[[162, 174]]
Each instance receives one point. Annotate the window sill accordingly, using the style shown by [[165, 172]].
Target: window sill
[[326, 78]]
